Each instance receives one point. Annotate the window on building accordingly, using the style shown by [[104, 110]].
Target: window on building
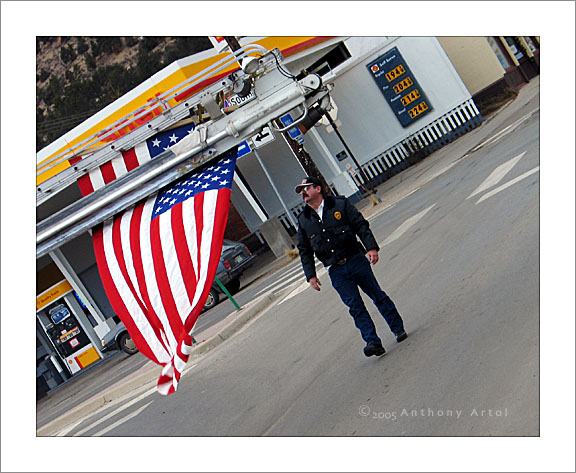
[[498, 52], [514, 47], [531, 44]]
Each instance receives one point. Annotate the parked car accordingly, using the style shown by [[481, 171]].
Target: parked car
[[235, 259], [118, 339]]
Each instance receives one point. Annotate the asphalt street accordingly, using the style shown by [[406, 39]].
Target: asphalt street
[[460, 257]]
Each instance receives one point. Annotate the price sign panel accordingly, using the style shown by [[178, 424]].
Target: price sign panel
[[399, 87]]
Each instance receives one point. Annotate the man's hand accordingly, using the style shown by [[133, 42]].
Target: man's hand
[[315, 283], [372, 256]]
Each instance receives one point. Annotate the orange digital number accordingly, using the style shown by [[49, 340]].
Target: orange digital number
[[418, 109], [409, 98], [395, 73], [403, 85]]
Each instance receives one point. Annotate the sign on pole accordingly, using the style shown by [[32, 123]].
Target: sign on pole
[[295, 132], [263, 138], [243, 149], [399, 86]]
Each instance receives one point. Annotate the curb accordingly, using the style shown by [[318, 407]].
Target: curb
[[215, 336]]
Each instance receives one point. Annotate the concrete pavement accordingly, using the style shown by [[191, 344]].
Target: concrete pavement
[[390, 191]]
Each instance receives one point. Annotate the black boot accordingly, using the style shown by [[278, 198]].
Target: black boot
[[374, 349]]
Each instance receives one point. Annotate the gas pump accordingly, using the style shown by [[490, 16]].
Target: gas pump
[[64, 330]]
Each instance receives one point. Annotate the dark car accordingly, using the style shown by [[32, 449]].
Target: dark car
[[235, 259]]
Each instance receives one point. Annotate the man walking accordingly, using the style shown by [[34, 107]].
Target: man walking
[[328, 227]]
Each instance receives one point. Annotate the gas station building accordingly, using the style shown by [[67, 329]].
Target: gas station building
[[395, 100]]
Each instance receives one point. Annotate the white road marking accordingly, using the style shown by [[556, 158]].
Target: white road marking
[[277, 285], [508, 184], [121, 421], [288, 273], [303, 286], [497, 175], [404, 227], [288, 278], [112, 414]]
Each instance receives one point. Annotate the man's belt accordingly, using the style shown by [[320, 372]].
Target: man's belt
[[341, 261]]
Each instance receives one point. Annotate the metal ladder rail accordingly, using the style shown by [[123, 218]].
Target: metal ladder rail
[[131, 139], [161, 100]]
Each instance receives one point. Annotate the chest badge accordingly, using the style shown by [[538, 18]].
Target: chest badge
[[337, 215]]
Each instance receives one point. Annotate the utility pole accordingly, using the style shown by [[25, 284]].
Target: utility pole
[[305, 159]]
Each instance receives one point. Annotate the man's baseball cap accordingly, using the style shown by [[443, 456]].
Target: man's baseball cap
[[307, 181]]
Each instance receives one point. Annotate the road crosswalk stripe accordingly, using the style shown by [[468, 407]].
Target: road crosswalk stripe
[[115, 411], [286, 279], [121, 421]]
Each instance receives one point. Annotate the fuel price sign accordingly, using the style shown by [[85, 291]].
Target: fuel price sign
[[399, 87]]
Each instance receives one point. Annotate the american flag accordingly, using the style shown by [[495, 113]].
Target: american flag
[[128, 160], [158, 260]]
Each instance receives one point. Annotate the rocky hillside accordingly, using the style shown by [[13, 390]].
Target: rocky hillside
[[77, 76]]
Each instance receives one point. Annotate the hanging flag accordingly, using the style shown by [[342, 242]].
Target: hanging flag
[[131, 159], [158, 260]]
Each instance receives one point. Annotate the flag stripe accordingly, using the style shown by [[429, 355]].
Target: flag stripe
[[221, 206], [130, 159], [183, 258], [125, 224], [120, 300], [142, 153], [96, 178], [166, 296], [108, 174], [189, 222], [151, 282], [199, 219], [119, 165], [205, 240], [136, 253], [168, 235], [85, 184]]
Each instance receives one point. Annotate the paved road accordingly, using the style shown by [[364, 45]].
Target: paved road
[[460, 256]]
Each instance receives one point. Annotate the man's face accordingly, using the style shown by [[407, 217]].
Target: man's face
[[311, 194]]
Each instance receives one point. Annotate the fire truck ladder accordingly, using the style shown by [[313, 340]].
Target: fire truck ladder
[[276, 93]]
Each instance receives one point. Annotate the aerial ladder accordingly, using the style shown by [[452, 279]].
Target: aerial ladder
[[276, 92]]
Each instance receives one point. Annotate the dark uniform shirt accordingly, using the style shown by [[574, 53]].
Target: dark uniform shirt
[[332, 239]]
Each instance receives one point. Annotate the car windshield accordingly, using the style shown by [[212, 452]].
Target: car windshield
[[227, 244]]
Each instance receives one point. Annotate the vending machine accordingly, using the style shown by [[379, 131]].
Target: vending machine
[[59, 315]]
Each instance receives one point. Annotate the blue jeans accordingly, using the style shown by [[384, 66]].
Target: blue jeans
[[357, 273]]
